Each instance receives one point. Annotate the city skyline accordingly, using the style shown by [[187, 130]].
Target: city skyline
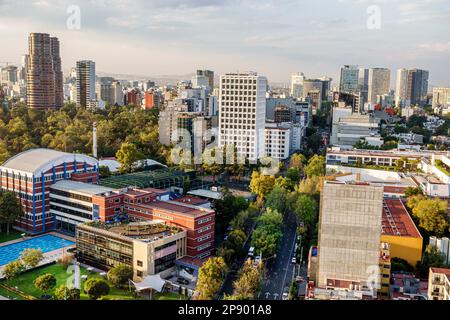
[[209, 35]]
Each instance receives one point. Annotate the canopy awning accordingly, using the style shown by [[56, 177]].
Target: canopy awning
[[151, 282]]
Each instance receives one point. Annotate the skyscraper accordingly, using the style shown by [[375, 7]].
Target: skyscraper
[[209, 75], [401, 89], [379, 83], [349, 234], [349, 79], [242, 113], [411, 87], [86, 83], [297, 85], [44, 75]]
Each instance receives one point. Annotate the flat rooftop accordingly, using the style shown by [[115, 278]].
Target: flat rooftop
[[86, 189], [146, 231], [396, 220], [178, 208]]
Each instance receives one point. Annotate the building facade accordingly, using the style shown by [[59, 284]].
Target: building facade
[[86, 96], [242, 113], [44, 74], [379, 83], [30, 176], [349, 235]]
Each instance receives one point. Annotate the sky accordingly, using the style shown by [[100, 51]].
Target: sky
[[276, 38]]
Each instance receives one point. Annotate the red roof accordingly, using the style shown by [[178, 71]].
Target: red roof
[[397, 190], [441, 270], [396, 220]]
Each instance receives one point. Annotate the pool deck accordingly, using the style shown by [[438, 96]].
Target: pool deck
[[49, 257], [66, 237]]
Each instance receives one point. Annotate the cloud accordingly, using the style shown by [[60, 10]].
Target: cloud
[[436, 46]]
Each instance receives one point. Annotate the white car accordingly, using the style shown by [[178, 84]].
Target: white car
[[294, 260], [285, 296]]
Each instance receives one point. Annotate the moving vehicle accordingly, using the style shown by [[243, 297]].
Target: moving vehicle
[[294, 260], [251, 252]]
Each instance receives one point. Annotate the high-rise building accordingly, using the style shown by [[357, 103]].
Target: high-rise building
[[9, 74], [441, 98], [86, 83], [44, 75], [349, 235], [349, 79], [379, 83], [297, 85], [242, 113], [326, 87], [209, 76], [411, 87]]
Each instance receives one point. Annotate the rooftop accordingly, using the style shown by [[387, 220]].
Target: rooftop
[[146, 231], [442, 271], [396, 220], [178, 208], [36, 161], [86, 189]]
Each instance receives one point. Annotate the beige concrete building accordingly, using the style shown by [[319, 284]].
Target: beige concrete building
[[439, 284], [349, 235]]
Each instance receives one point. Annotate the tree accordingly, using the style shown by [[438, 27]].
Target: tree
[[9, 208], [104, 171], [45, 283], [96, 288], [267, 236], [261, 185], [277, 199], [293, 291], [13, 269], [316, 166], [65, 293], [210, 278], [411, 191], [31, 257], [305, 209], [294, 175], [310, 186], [266, 239], [127, 155], [431, 258], [297, 161], [398, 264], [120, 275], [432, 216], [249, 282]]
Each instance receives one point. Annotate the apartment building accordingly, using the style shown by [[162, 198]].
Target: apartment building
[[439, 284], [278, 141]]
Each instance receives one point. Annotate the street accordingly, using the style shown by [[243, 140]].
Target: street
[[280, 270]]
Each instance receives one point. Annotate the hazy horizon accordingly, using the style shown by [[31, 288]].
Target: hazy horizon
[[274, 38]]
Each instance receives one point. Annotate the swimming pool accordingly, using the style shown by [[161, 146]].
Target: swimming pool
[[46, 243]]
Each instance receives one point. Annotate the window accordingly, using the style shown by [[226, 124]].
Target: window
[[140, 263], [139, 274]]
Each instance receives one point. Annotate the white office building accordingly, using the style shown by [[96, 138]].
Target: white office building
[[278, 140], [297, 85], [242, 113]]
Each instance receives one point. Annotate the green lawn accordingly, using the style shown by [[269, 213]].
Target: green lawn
[[168, 296], [13, 235], [25, 283]]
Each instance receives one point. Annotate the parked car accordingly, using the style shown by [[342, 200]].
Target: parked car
[[294, 260], [285, 296], [251, 252]]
